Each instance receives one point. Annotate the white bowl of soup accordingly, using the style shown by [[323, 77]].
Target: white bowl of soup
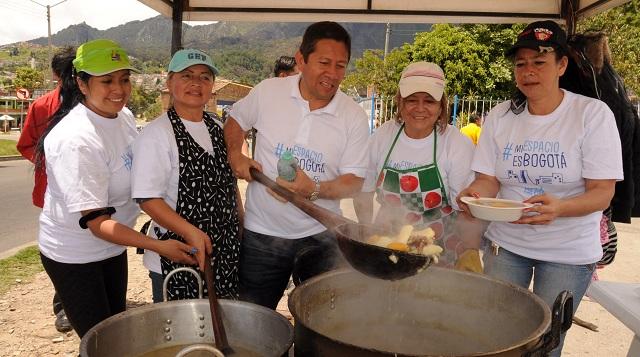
[[495, 209]]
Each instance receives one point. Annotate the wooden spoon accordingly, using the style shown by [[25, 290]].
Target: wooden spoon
[[216, 317]]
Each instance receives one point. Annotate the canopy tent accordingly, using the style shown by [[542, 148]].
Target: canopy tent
[[378, 11], [6, 119]]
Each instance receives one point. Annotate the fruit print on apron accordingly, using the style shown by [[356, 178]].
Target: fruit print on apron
[[418, 197]]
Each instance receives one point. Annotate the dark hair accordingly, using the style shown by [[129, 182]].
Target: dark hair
[[284, 64], [71, 96], [322, 31], [62, 59], [474, 118], [591, 73]]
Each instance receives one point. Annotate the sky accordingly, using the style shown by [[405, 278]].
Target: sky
[[24, 20]]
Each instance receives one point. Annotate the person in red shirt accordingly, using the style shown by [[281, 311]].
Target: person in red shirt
[[38, 119], [36, 122]]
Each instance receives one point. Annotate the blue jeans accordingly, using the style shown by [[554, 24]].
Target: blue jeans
[[156, 286], [549, 279], [266, 263]]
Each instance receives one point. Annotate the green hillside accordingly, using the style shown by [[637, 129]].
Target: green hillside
[[244, 51]]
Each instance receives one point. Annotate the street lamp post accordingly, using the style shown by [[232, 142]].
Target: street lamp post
[[387, 34], [48, 7]]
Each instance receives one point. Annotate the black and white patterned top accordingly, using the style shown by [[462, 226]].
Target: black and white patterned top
[[207, 200]]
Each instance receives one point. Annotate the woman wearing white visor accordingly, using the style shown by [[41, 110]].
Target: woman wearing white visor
[[418, 164]]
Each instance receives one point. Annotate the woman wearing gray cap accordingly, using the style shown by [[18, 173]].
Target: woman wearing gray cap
[[557, 150], [418, 164], [181, 178]]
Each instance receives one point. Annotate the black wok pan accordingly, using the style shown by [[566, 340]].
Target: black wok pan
[[368, 259]]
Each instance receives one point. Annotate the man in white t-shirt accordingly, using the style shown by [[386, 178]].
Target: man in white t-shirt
[[327, 133]]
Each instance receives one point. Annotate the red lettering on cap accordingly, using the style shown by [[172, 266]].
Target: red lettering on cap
[[542, 34]]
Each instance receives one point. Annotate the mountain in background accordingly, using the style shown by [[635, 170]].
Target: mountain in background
[[244, 51]]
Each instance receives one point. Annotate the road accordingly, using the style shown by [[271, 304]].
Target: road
[[18, 216], [12, 135]]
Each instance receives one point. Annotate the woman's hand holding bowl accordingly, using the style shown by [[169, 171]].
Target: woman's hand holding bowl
[[547, 207]]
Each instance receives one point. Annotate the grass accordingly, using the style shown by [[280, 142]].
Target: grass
[[24, 265], [8, 147]]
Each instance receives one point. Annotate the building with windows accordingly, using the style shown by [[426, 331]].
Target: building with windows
[[13, 111]]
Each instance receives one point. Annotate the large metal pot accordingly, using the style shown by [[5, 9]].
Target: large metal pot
[[170, 326], [439, 312]]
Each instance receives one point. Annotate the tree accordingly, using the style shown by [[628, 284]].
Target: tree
[[622, 26], [243, 66], [29, 78], [471, 56], [371, 70], [498, 39], [154, 110], [142, 100]]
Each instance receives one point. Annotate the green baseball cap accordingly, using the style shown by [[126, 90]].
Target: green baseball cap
[[189, 57], [100, 57]]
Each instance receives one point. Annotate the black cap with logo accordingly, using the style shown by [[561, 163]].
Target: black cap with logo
[[544, 36]]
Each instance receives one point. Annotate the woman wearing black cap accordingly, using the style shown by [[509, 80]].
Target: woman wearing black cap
[[557, 150]]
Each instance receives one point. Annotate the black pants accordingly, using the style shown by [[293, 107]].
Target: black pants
[[57, 304], [89, 292]]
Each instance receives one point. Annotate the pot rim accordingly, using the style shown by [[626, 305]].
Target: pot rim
[[175, 303], [530, 339]]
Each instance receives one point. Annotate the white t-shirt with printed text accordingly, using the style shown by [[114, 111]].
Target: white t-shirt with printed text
[[554, 154], [327, 142], [88, 166]]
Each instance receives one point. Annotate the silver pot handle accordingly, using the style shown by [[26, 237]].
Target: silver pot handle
[[199, 347], [189, 270]]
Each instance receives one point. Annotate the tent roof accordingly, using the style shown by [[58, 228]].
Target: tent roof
[[382, 11]]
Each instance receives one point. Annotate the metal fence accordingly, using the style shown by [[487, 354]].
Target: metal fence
[[380, 109], [462, 108]]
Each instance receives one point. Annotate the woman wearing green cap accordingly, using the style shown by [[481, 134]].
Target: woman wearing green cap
[[557, 150], [88, 212], [182, 179]]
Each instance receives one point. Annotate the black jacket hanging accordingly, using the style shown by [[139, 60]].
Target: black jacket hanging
[[590, 73]]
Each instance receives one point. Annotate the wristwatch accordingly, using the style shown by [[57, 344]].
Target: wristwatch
[[315, 193]]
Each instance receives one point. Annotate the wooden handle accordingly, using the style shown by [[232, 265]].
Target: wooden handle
[[216, 318], [326, 217]]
